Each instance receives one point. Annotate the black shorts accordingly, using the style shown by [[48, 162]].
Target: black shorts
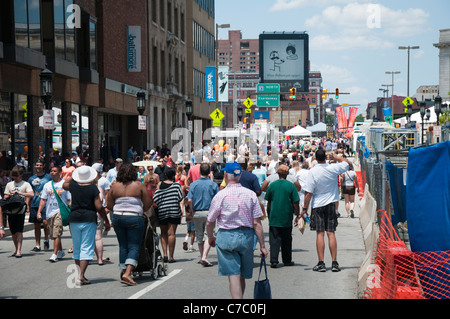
[[350, 190], [33, 215], [16, 223], [324, 218]]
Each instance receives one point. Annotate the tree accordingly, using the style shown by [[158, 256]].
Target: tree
[[359, 118]]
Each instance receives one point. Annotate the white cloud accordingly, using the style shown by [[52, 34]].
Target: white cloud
[[334, 73], [348, 43], [283, 5], [368, 23]]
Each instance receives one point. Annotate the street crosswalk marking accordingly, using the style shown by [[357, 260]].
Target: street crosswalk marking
[[155, 284]]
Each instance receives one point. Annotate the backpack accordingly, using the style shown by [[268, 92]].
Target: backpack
[[13, 204]]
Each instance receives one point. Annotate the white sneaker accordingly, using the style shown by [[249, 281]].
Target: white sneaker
[[53, 258], [61, 254]]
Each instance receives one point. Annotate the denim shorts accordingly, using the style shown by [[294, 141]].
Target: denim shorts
[[235, 252], [83, 239]]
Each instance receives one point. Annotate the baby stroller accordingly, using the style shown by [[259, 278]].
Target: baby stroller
[[150, 258]]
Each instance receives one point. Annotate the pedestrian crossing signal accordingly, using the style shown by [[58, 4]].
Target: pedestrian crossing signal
[[293, 93]]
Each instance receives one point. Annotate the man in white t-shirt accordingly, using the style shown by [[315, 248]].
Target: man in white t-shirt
[[322, 192], [53, 220]]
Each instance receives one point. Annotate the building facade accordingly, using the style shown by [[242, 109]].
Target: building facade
[[101, 54], [200, 39], [444, 64]]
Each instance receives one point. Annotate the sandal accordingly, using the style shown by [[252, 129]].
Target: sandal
[[206, 263], [83, 282], [128, 282], [104, 260]]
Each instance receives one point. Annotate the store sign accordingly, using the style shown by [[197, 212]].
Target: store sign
[[133, 48], [142, 123], [48, 122]]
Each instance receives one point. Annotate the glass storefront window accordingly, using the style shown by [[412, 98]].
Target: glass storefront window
[[64, 36], [27, 18], [93, 44]]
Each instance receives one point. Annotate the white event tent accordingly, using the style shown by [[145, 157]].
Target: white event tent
[[319, 127], [298, 131]]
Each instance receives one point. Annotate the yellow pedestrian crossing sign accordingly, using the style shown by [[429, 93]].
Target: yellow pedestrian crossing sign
[[407, 101], [248, 103], [217, 117]]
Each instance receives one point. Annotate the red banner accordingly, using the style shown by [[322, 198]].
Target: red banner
[[352, 117], [342, 120]]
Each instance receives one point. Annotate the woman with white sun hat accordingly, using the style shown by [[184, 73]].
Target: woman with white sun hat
[[83, 216]]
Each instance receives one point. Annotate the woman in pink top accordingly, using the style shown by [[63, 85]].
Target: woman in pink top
[[67, 170]]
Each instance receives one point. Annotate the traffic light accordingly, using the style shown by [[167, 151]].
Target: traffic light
[[245, 120], [324, 96], [337, 94], [293, 93]]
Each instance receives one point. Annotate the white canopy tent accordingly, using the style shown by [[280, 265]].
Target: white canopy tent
[[298, 131], [319, 127]]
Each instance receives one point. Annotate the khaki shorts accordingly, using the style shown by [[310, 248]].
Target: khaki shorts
[[55, 226]]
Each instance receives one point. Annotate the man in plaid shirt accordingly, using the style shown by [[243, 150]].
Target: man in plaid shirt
[[237, 213]]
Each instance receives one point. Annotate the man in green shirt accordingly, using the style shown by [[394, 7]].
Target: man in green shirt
[[283, 203]]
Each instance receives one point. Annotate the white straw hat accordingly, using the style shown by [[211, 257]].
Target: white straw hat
[[84, 174]]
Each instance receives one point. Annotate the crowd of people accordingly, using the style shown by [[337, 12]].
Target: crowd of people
[[223, 194]]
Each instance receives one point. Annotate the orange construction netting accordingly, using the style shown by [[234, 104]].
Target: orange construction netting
[[398, 273]]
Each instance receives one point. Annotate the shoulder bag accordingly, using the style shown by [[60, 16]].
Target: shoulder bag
[[262, 287], [63, 208], [14, 204]]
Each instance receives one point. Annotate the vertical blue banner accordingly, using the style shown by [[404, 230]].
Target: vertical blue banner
[[210, 84]]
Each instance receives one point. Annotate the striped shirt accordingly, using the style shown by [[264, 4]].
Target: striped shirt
[[234, 207], [168, 201]]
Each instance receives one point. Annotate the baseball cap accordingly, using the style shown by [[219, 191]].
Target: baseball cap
[[232, 168], [119, 160], [283, 169]]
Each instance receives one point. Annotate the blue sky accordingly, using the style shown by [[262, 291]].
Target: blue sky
[[353, 43]]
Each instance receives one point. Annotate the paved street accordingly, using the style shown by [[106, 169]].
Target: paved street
[[34, 277]]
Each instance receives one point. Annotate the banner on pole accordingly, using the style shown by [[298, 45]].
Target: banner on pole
[[210, 84], [223, 83], [352, 117], [342, 120]]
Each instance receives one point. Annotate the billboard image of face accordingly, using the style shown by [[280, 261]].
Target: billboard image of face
[[284, 60]]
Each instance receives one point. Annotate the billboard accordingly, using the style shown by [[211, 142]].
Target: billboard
[[284, 59]]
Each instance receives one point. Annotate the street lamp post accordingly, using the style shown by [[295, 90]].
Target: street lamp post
[[46, 79], [423, 110], [409, 48], [141, 105], [240, 113], [437, 107]]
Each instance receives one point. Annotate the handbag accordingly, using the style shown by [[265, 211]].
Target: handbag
[[262, 287], [14, 204], [63, 208]]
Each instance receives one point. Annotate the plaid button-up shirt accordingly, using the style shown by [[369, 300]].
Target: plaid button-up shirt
[[234, 207]]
